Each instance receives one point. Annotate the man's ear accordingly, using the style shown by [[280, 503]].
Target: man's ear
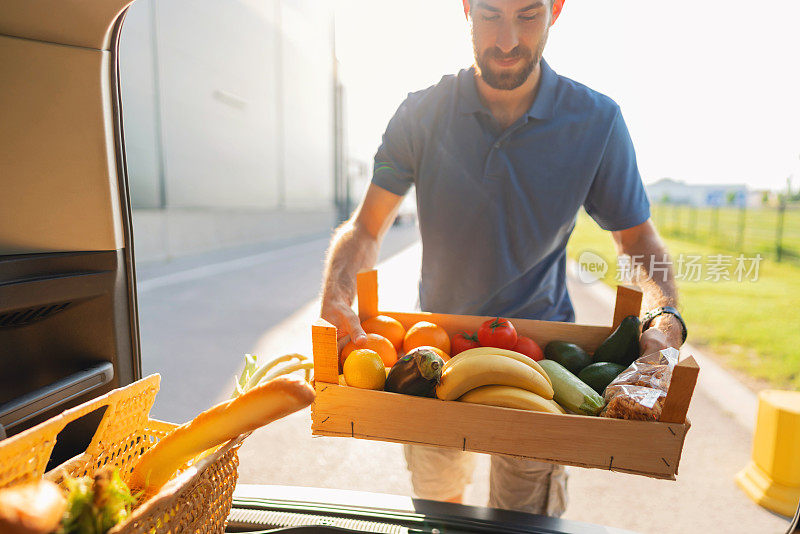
[[557, 6], [466, 7]]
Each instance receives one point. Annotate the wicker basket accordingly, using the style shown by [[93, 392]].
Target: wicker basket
[[198, 499]]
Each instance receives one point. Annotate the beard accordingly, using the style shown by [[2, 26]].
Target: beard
[[506, 79]]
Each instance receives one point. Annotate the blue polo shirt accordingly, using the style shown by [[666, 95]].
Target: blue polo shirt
[[496, 208]]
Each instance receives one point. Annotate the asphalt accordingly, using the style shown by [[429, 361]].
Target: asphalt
[[200, 315]]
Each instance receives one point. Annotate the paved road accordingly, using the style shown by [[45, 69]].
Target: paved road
[[198, 316], [197, 322]]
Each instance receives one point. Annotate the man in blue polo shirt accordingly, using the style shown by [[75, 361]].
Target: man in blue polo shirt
[[503, 155]]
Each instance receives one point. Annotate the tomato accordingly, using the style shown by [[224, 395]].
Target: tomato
[[498, 333], [528, 347], [463, 341]]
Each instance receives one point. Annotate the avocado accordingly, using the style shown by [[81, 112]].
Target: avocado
[[416, 373], [599, 375], [622, 346], [568, 355]]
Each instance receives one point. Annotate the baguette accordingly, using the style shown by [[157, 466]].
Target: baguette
[[31, 508], [258, 407]]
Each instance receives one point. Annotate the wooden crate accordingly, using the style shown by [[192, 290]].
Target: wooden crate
[[652, 449]]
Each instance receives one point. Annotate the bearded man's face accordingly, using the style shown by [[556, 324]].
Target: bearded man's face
[[508, 38]]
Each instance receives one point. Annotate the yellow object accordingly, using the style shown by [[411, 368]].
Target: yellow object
[[481, 351], [469, 373], [197, 498], [376, 343], [772, 478], [511, 397], [364, 369], [253, 409]]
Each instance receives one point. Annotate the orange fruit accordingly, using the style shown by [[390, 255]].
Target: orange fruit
[[364, 369], [442, 354], [426, 333], [387, 327], [375, 342]]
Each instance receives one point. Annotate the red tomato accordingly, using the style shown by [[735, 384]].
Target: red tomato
[[463, 341], [528, 347], [498, 333]]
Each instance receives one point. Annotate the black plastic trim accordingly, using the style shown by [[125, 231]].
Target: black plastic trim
[[794, 526], [430, 516], [62, 288], [37, 402]]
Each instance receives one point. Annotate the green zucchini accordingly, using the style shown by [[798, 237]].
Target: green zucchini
[[599, 375], [570, 392], [570, 355]]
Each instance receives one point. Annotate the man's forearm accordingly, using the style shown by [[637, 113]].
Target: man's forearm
[[352, 249], [659, 289], [652, 270]]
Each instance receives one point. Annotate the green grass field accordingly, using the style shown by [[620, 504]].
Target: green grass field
[[753, 325]]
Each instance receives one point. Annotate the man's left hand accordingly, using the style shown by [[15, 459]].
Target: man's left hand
[[652, 340], [664, 332]]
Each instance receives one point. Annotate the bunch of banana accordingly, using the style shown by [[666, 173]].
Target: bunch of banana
[[511, 397], [497, 377]]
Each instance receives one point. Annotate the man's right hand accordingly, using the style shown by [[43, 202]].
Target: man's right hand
[[354, 247], [342, 316]]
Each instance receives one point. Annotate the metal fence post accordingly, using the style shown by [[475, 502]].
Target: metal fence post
[[675, 219], [742, 222], [779, 231], [714, 221]]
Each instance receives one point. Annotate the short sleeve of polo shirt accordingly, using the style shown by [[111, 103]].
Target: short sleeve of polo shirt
[[617, 198], [394, 160]]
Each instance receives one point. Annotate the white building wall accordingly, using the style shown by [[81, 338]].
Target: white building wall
[[216, 61], [678, 192], [308, 101], [139, 104], [246, 108]]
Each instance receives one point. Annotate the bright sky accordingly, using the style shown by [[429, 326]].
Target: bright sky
[[710, 90]]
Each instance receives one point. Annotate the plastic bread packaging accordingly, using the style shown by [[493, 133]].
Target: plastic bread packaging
[[639, 392]]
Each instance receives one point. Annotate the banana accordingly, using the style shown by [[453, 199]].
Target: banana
[[511, 397], [490, 369], [479, 351]]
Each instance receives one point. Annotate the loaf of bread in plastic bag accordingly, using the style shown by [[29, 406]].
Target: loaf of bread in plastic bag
[[639, 392]]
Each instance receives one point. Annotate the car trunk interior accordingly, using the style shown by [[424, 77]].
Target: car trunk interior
[[68, 328]]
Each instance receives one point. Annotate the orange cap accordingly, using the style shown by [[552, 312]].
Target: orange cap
[[557, 6]]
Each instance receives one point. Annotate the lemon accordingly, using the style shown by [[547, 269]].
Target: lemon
[[364, 369]]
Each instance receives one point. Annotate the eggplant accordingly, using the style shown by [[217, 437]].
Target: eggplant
[[417, 373]]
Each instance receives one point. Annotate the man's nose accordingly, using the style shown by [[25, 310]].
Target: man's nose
[[507, 37]]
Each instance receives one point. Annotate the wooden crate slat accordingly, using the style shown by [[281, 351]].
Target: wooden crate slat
[[629, 302], [367, 290], [647, 448], [681, 389], [326, 351]]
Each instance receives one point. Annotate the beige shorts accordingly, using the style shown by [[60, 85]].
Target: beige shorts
[[514, 483]]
